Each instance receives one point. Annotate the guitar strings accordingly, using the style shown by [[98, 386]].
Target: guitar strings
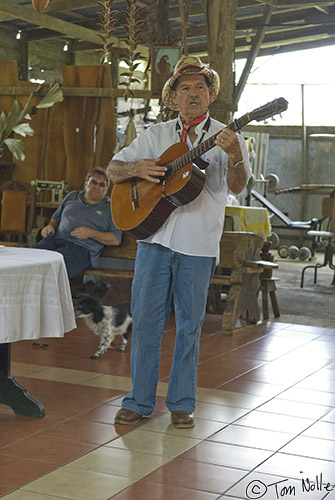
[[274, 107], [178, 163]]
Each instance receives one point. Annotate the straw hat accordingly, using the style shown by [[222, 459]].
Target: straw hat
[[190, 65]]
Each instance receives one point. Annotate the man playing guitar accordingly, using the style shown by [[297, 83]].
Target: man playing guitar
[[178, 260]]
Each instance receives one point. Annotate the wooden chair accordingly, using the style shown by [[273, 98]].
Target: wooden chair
[[328, 210], [17, 212]]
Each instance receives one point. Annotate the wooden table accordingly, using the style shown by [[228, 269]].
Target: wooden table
[[35, 302], [250, 219], [238, 277]]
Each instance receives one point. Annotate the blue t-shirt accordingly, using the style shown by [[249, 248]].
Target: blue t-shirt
[[75, 212]]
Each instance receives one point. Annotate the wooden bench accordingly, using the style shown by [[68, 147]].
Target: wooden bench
[[237, 277], [124, 253]]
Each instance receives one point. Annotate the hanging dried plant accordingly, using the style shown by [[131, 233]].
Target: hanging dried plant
[[134, 28], [108, 20]]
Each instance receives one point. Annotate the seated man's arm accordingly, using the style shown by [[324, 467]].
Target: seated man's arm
[[50, 228], [104, 237]]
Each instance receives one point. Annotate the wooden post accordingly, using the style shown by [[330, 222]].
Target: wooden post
[[159, 26], [24, 62], [114, 67], [220, 22], [183, 27]]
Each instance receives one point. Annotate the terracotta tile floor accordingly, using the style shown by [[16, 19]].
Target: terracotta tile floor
[[265, 421]]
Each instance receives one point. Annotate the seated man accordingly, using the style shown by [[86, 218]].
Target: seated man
[[82, 225]]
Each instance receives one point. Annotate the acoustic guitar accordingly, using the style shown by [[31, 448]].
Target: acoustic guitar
[[141, 207]]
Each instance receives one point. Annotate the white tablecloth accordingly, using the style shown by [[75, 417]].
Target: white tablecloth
[[35, 295]]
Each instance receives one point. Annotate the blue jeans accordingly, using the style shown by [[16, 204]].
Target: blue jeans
[[76, 257], [161, 274]]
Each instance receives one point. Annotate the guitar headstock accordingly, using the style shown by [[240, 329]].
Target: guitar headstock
[[268, 110]]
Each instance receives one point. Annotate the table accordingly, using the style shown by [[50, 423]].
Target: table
[[250, 219], [35, 302]]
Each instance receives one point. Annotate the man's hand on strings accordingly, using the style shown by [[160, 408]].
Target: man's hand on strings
[[149, 170]]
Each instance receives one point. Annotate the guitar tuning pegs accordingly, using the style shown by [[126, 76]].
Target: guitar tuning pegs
[[273, 119], [266, 122]]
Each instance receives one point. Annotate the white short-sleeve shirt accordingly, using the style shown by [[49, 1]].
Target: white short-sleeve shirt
[[193, 229]]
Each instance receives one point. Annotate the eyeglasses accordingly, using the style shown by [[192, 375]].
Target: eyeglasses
[[95, 183]]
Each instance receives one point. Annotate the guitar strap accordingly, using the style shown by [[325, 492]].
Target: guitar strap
[[199, 162], [182, 136]]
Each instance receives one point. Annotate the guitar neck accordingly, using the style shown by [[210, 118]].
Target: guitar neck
[[205, 146]]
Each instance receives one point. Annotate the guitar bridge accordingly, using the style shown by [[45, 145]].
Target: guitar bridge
[[134, 196]]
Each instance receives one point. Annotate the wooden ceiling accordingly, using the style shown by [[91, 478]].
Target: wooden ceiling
[[265, 26]]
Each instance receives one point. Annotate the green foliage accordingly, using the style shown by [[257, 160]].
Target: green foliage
[[12, 123], [16, 147], [54, 95]]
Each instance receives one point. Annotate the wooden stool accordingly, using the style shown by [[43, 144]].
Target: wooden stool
[[268, 284], [268, 288]]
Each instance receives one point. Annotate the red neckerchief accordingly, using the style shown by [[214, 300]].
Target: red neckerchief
[[186, 126]]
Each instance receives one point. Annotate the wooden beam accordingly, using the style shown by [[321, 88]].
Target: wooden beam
[[5, 17], [77, 46], [324, 10], [294, 47], [281, 41], [302, 17], [245, 4], [29, 15], [282, 36], [303, 34], [71, 30], [253, 54], [295, 3], [196, 10], [242, 49], [39, 34], [65, 5], [289, 19], [68, 5], [74, 92]]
